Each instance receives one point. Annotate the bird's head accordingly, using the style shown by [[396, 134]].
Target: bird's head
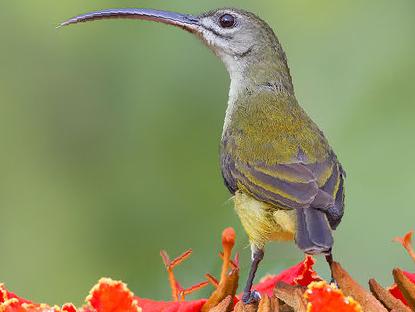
[[236, 34]]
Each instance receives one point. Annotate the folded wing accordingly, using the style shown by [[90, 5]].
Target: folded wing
[[292, 186]]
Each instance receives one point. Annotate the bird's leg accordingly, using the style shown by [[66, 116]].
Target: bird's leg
[[329, 259], [250, 296]]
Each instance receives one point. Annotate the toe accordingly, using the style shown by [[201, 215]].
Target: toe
[[251, 297]]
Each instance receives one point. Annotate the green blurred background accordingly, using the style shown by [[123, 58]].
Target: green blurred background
[[109, 138]]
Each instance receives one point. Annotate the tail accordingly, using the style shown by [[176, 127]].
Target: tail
[[313, 231]]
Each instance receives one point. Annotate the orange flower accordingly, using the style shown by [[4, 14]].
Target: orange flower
[[228, 241], [322, 297], [112, 296], [406, 242]]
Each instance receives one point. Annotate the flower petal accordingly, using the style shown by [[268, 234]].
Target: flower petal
[[300, 274], [69, 307], [406, 242], [156, 306], [112, 296], [394, 290], [322, 297]]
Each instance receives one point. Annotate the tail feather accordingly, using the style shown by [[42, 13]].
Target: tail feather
[[313, 231]]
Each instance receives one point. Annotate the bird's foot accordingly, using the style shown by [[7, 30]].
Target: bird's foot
[[334, 282], [251, 297]]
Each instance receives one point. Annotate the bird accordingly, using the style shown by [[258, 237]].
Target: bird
[[285, 179]]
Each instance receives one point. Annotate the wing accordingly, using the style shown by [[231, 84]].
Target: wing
[[291, 186]]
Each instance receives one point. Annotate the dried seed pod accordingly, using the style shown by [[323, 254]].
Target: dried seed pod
[[405, 286], [384, 296], [353, 289]]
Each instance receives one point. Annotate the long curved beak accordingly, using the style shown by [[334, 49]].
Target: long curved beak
[[185, 21]]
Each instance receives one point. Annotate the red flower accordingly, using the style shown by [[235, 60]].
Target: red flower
[[394, 290], [114, 296], [406, 242], [9, 302], [69, 307], [300, 274], [157, 306]]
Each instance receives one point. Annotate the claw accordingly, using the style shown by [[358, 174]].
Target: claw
[[251, 297], [334, 282]]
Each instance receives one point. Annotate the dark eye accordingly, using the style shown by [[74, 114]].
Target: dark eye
[[227, 21]]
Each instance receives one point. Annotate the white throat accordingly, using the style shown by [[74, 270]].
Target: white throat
[[236, 72]]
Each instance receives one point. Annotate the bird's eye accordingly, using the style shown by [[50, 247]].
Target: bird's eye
[[227, 21]]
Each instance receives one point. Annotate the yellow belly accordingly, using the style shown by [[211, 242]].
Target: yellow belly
[[263, 222]]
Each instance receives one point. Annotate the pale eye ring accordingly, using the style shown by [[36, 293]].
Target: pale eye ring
[[227, 20]]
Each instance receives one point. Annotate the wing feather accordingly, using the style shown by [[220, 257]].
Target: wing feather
[[302, 192], [291, 186]]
